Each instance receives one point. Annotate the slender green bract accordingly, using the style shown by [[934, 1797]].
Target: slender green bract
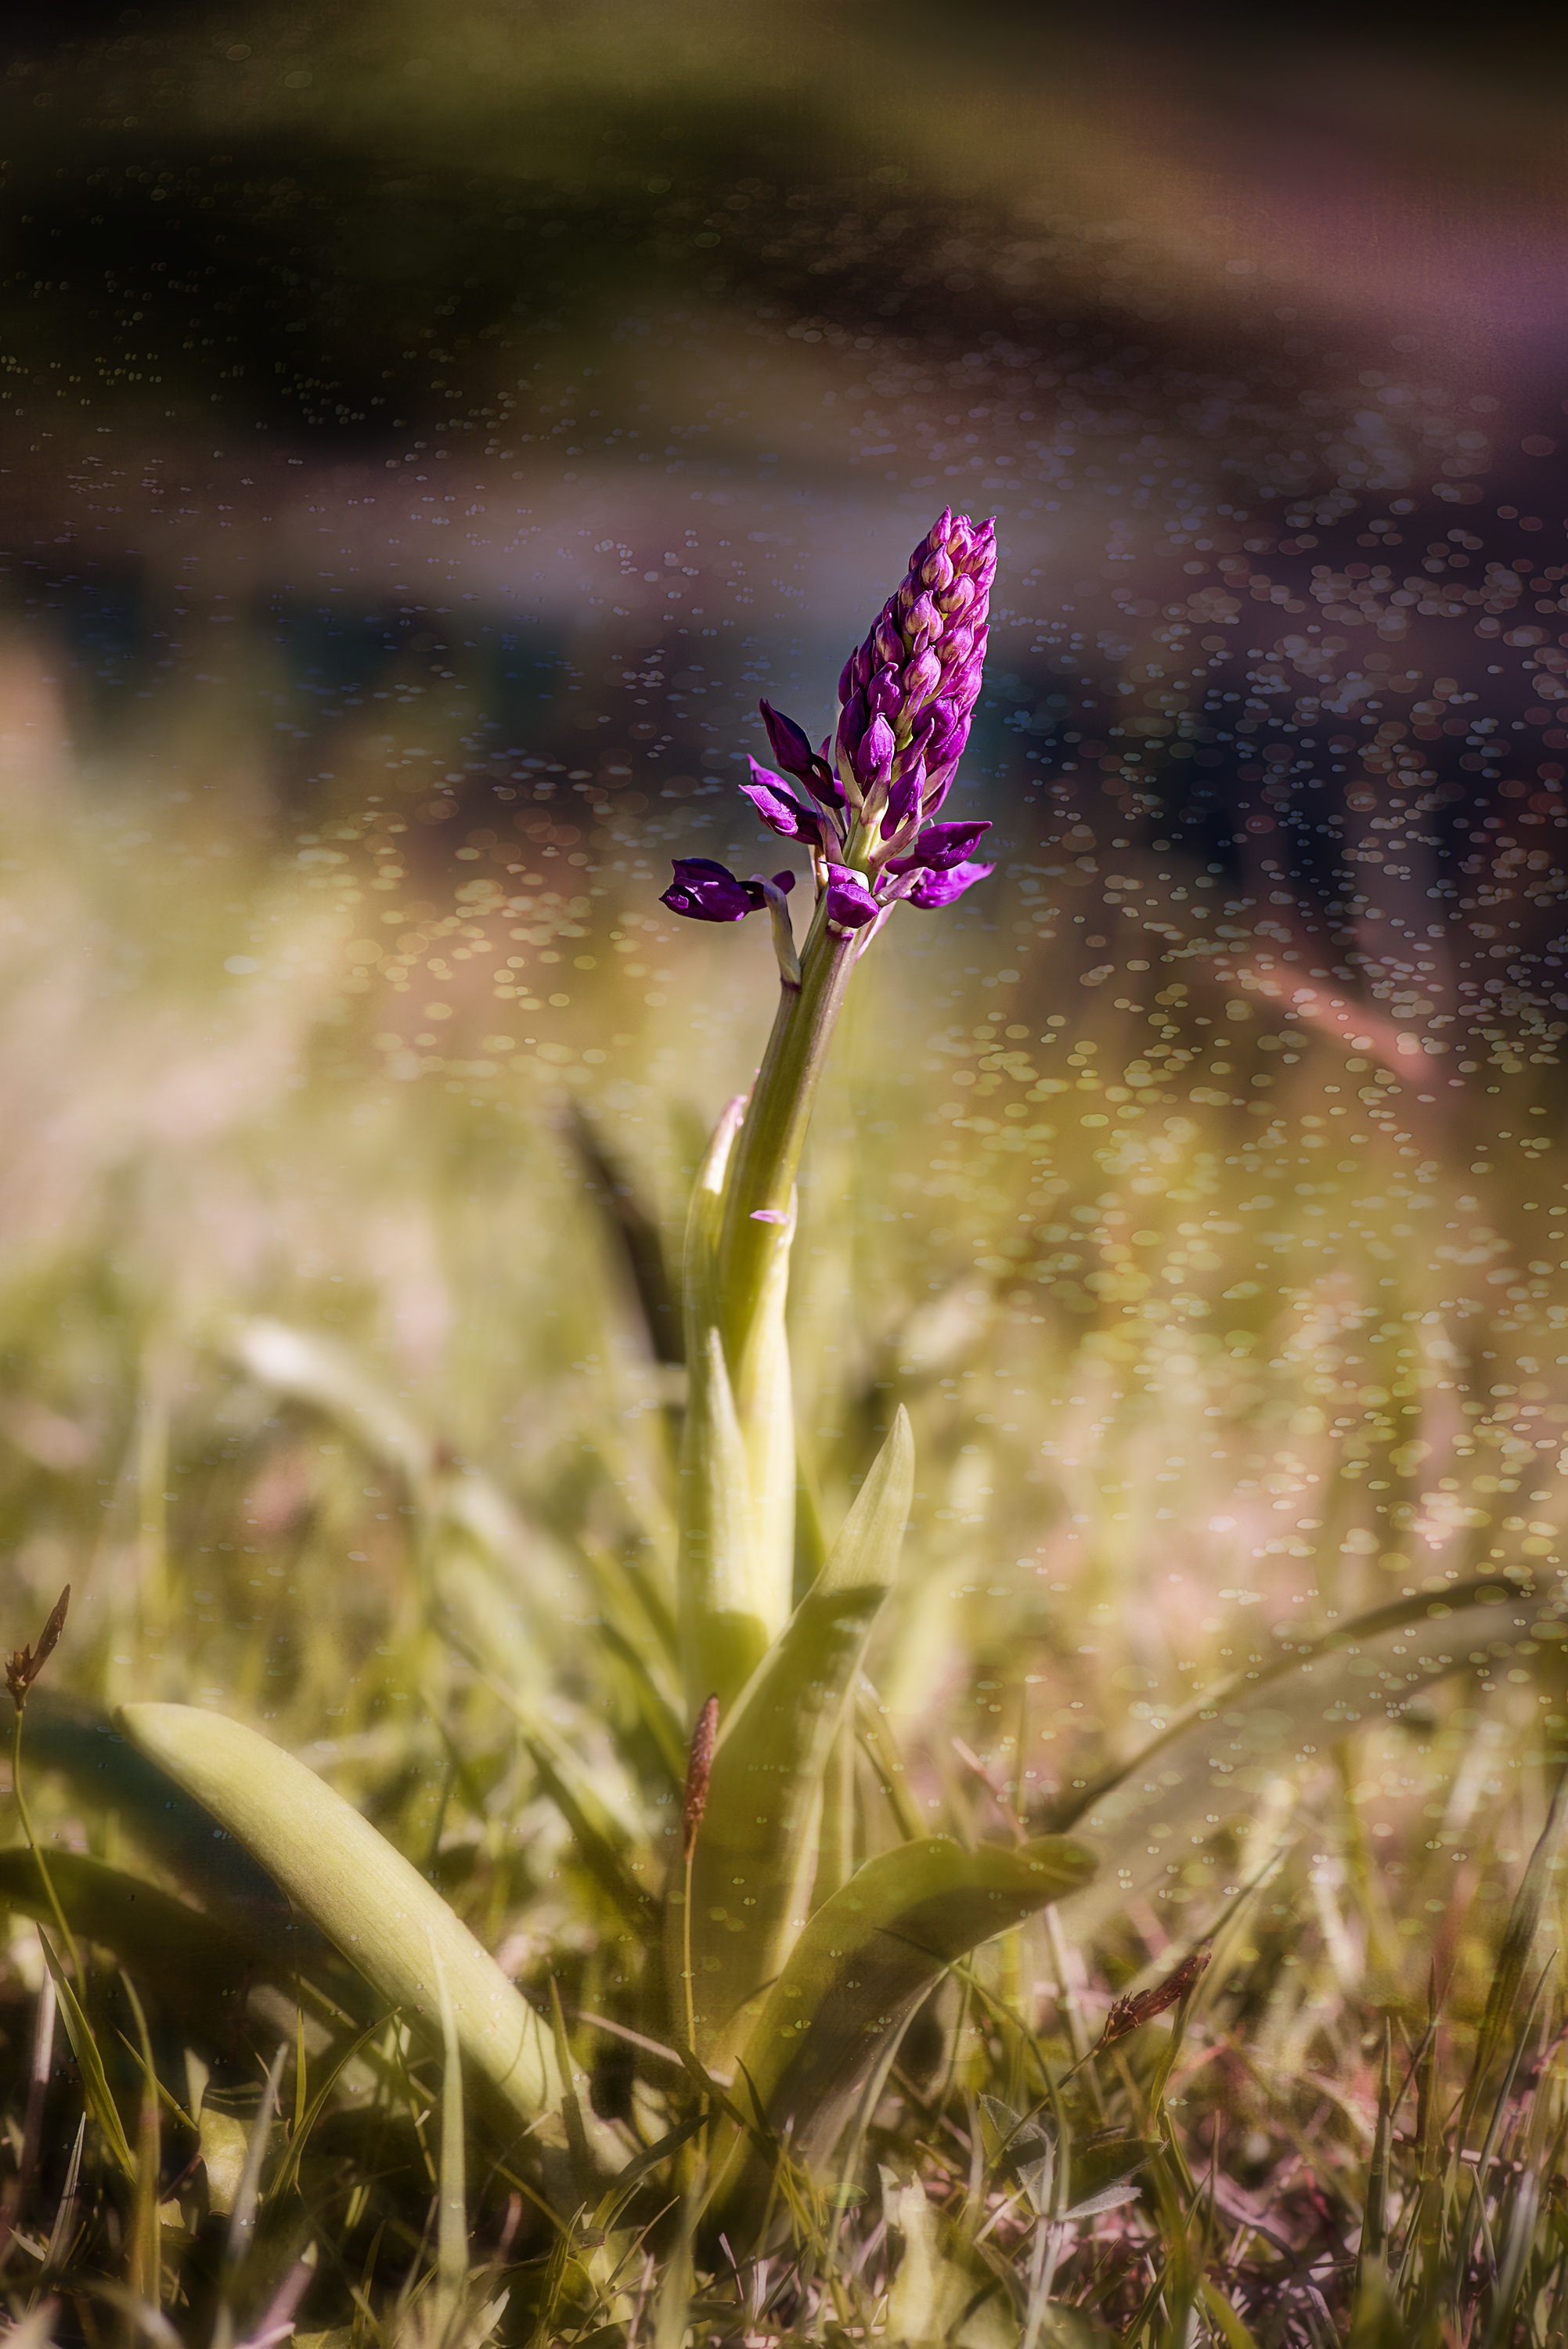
[[364, 1897]]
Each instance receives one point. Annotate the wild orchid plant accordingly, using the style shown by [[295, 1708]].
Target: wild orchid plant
[[780, 1964], [785, 1973]]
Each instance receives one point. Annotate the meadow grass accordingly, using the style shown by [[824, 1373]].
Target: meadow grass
[[340, 1386]]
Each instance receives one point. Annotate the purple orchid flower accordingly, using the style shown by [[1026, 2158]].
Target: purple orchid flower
[[780, 811], [705, 891], [942, 888], [867, 798], [796, 756], [940, 846], [851, 904]]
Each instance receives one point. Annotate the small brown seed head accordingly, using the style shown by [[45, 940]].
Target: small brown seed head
[[1129, 2014], [699, 1769], [23, 1667]]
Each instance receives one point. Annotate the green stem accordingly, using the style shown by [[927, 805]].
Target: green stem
[[53, 1898], [768, 1147]]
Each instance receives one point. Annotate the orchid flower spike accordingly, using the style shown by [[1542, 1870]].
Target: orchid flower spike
[[864, 806]]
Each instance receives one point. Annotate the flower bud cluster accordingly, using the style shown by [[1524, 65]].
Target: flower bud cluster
[[863, 805]]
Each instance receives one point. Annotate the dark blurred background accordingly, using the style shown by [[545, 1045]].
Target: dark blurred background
[[484, 403]]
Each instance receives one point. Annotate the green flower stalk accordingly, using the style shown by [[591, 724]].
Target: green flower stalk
[[866, 815]]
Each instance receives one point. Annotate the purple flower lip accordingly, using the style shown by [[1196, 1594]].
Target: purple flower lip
[[851, 904], [940, 846], [704, 891], [937, 889]]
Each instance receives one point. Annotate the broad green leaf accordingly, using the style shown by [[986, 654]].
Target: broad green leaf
[[831, 2021], [368, 1901], [756, 1857], [107, 1773], [1208, 1770], [192, 1966]]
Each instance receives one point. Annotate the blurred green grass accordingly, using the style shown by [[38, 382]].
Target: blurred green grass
[[325, 1383]]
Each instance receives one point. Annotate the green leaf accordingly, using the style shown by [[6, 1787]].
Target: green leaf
[[368, 1901], [107, 1773], [831, 2021], [191, 1966], [1208, 1769], [724, 1632], [1103, 2171], [756, 1856]]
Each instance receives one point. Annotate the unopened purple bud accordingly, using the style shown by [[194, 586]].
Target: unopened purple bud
[[855, 675], [853, 719], [922, 676], [706, 892], [885, 644], [874, 756], [941, 888], [851, 904], [936, 573], [923, 622], [936, 537], [779, 808], [949, 731], [884, 694]]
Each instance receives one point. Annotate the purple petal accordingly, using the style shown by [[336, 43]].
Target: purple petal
[[791, 747], [851, 904], [942, 888], [778, 808], [940, 846], [904, 794], [706, 892]]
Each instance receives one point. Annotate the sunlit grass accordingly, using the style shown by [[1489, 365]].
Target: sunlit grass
[[325, 1386]]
